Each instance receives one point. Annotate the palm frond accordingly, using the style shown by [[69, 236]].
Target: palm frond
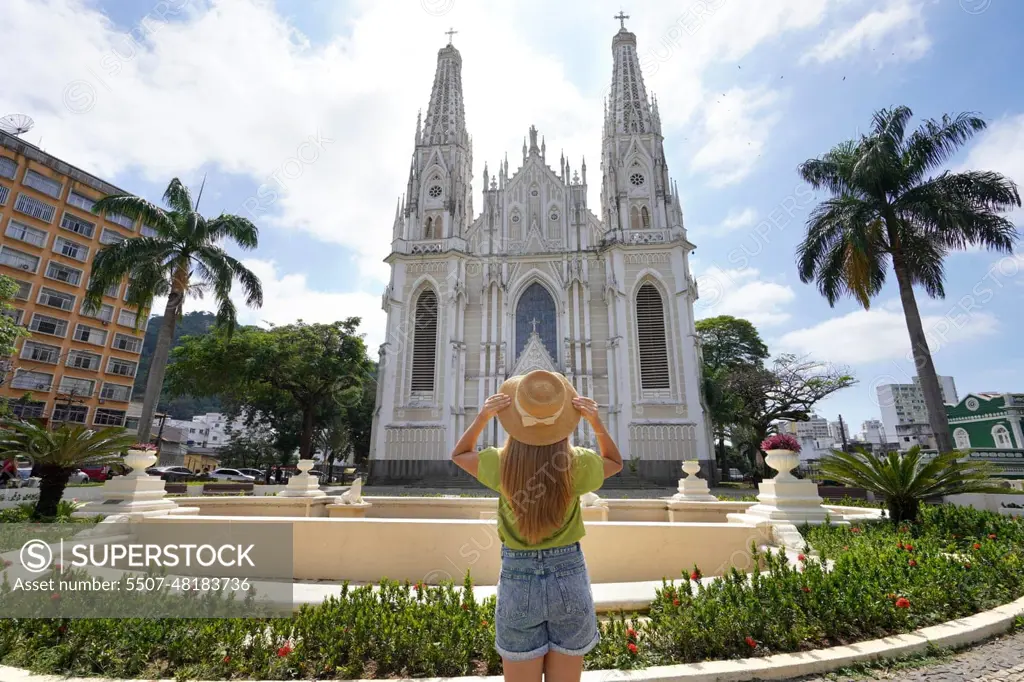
[[934, 142], [178, 197], [135, 208], [235, 227], [115, 262], [67, 446]]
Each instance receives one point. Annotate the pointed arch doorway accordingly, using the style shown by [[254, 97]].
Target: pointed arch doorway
[[536, 312]]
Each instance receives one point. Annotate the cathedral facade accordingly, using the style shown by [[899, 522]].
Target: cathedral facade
[[537, 279]]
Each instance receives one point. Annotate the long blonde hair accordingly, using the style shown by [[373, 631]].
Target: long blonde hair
[[537, 482]]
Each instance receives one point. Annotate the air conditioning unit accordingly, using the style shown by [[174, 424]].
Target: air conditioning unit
[[25, 267], [105, 322]]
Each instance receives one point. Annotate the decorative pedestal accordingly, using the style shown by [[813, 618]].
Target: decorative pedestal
[[785, 499], [350, 503], [302, 484], [693, 488], [593, 508], [137, 494]]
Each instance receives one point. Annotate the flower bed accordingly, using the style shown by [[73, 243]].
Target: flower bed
[[884, 580]]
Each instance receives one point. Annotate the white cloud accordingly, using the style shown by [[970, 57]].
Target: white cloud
[[896, 32], [742, 293], [737, 124], [881, 334], [287, 297], [737, 220], [1001, 149]]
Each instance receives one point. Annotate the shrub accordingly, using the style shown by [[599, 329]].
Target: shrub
[[780, 441]]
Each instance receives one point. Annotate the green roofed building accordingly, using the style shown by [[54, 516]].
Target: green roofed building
[[987, 420]]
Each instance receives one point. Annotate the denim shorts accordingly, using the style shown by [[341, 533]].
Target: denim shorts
[[544, 604]]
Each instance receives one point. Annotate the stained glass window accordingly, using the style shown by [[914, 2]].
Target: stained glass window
[[537, 305]]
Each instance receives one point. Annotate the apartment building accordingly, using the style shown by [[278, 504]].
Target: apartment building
[[904, 414], [79, 363]]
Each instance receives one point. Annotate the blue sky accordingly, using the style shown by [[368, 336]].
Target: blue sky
[[142, 91]]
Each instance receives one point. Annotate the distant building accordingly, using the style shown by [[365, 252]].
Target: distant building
[[873, 431], [837, 430], [987, 420], [207, 430], [905, 415], [815, 427]]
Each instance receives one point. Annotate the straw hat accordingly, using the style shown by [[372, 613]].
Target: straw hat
[[541, 412]]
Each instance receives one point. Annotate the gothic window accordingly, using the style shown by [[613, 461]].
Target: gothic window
[[1001, 436], [534, 192], [434, 192], [634, 218], [645, 217], [962, 439], [424, 343], [652, 347], [636, 179], [428, 229], [536, 305]]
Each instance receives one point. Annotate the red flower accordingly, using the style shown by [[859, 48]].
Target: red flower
[[903, 603], [226, 659], [992, 536], [465, 607], [631, 647], [805, 588], [967, 565], [899, 545], [483, 623], [855, 530], [419, 586], [55, 596], [801, 557], [912, 563], [751, 643], [631, 633], [695, 576], [284, 651], [977, 546], [676, 602], [908, 547]]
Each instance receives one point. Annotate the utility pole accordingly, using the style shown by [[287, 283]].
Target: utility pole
[[842, 432]]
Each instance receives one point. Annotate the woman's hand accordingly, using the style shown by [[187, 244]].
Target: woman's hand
[[588, 408], [495, 404]]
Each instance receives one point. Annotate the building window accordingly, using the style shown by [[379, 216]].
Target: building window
[[81, 201], [108, 237], [76, 414], [1001, 437], [24, 290], [962, 439], [434, 192], [110, 291], [40, 352], [35, 208], [32, 381], [652, 346], [148, 231], [645, 217], [536, 310], [73, 223], [15, 314], [76, 386], [131, 344], [122, 220], [634, 218], [44, 324], [116, 392], [122, 367], [97, 337], [63, 273], [126, 317], [637, 179], [424, 345], [56, 299], [8, 167], [105, 312], [107, 417], [43, 184], [428, 229], [5, 193], [28, 409], [18, 259], [66, 247], [26, 233], [80, 359]]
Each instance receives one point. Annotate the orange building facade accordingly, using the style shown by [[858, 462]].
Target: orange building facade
[[79, 364]]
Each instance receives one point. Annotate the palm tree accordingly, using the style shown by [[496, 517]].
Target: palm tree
[[907, 479], [60, 451], [885, 207], [183, 257]]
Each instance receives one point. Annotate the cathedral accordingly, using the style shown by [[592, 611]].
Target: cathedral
[[538, 279]]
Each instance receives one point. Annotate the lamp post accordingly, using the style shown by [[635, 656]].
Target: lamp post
[[160, 432]]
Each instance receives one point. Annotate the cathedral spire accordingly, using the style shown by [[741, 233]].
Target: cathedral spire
[[446, 115], [629, 110]]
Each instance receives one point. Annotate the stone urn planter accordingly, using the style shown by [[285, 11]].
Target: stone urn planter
[[783, 461], [139, 461]]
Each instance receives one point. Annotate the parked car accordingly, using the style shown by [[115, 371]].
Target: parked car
[[255, 473], [735, 475], [231, 475], [78, 476], [171, 474], [99, 474]]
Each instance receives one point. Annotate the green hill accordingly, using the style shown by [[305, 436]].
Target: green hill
[[192, 324]]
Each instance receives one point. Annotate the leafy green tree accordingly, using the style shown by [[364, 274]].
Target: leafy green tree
[[9, 331], [57, 452], [251, 448], [196, 323], [907, 479], [295, 378], [184, 257], [888, 209]]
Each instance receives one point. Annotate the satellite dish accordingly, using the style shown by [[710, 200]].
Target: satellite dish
[[16, 124]]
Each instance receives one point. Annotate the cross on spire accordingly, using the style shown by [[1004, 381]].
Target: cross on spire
[[450, 32], [621, 16], [534, 322]]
